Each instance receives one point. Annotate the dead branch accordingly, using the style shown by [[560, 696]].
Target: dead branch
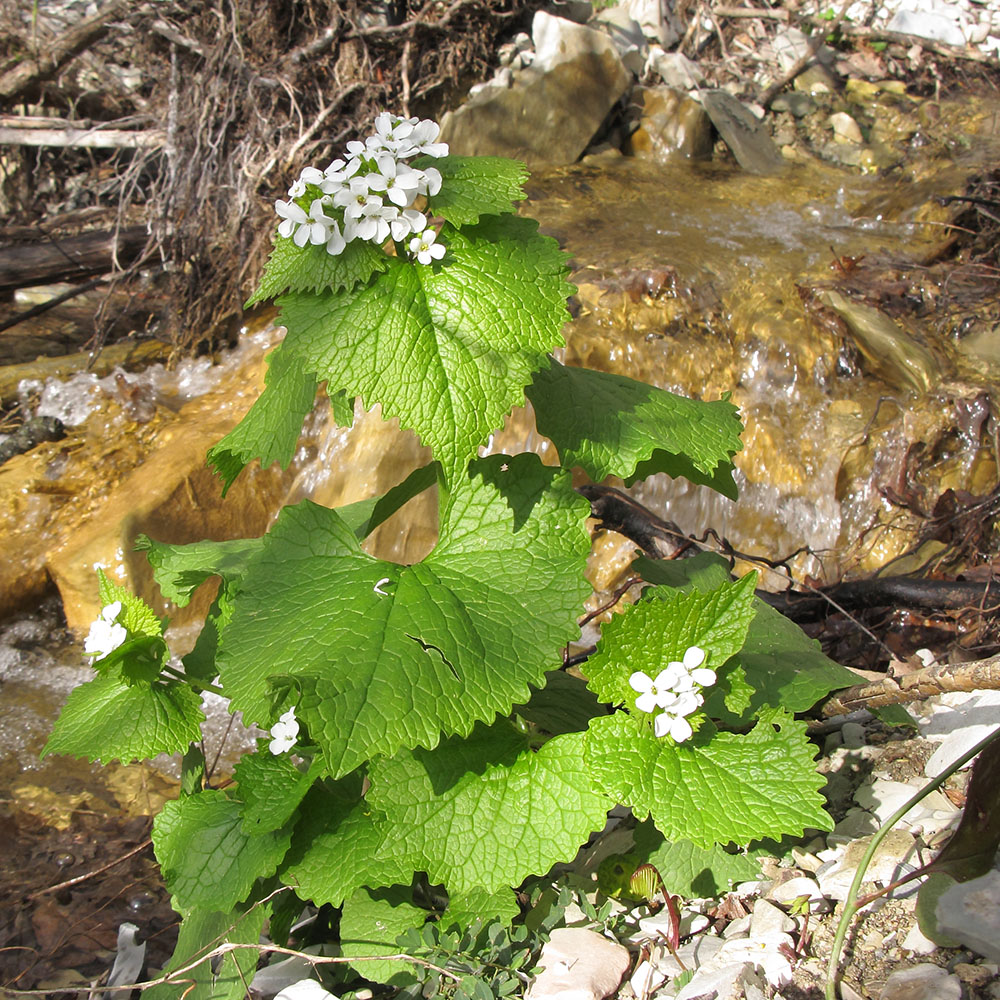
[[73, 257], [17, 81], [21, 130], [977, 675]]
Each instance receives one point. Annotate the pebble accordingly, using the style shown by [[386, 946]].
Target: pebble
[[917, 942], [767, 920], [731, 982], [929, 816], [922, 982], [578, 964], [795, 888]]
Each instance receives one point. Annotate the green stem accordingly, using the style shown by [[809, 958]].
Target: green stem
[[851, 904], [197, 685]]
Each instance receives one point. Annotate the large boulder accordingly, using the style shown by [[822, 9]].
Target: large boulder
[[555, 106]]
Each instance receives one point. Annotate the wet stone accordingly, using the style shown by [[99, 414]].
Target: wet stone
[[748, 139]]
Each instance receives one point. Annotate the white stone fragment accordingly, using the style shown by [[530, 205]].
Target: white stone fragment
[[578, 964], [922, 982]]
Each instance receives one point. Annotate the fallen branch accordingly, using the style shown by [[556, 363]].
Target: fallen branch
[[15, 82], [977, 675], [27, 131], [71, 257]]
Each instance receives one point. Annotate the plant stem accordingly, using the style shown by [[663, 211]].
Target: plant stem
[[851, 904], [197, 685]]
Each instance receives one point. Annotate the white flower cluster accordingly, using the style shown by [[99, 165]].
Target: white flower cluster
[[105, 635], [370, 195], [676, 691], [284, 732]]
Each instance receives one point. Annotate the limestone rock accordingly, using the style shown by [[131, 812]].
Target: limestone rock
[[578, 964], [922, 982], [671, 126], [556, 105], [675, 69], [627, 35], [970, 912], [749, 139]]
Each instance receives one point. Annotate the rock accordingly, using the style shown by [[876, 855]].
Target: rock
[[675, 69], [883, 797], [795, 888], [659, 23], [886, 866], [731, 982], [934, 25], [556, 105], [767, 919], [917, 942], [892, 353], [845, 128], [671, 126], [646, 978], [922, 982], [747, 138], [795, 102], [627, 35], [578, 964], [700, 951], [960, 721], [970, 913]]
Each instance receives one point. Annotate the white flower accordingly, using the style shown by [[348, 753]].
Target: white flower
[[675, 726], [105, 635], [422, 139], [399, 181], [654, 692], [408, 221], [676, 690], [335, 243], [425, 249], [316, 229], [430, 181], [305, 989], [291, 215], [284, 732]]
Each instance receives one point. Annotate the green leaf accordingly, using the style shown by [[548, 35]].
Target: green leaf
[[193, 770], [206, 857], [387, 655], [201, 931], [107, 718], [691, 871], [334, 845], [370, 924], [715, 788], [136, 615], [473, 186], [271, 788], [650, 634], [179, 570], [448, 349], [564, 705], [780, 662], [271, 428], [311, 268], [485, 812], [651, 431], [465, 908]]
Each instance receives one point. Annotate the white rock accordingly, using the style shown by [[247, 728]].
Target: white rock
[[884, 796], [933, 26], [627, 35], [659, 23], [728, 983], [796, 888], [675, 69], [922, 982], [845, 129], [888, 864], [694, 954], [767, 919], [738, 928], [917, 942], [578, 964], [971, 719], [646, 978], [970, 912]]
